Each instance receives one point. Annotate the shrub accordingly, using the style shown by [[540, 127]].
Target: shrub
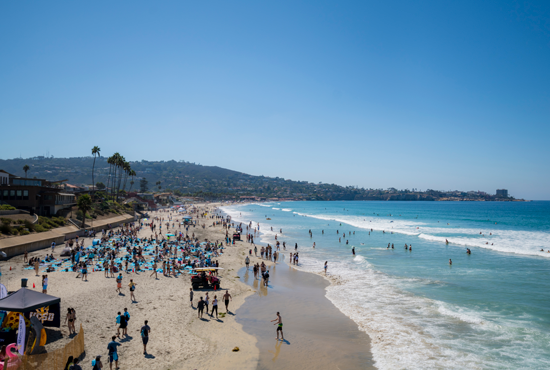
[[5, 220], [5, 228], [24, 232], [39, 228], [29, 225], [6, 207]]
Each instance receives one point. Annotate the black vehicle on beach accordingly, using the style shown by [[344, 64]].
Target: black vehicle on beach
[[203, 280]]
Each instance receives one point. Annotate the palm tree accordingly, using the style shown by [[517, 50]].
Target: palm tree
[[95, 151], [111, 161], [132, 174], [120, 165], [127, 168], [84, 205], [26, 168]]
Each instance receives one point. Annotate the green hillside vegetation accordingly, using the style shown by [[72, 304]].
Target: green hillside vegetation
[[211, 182]]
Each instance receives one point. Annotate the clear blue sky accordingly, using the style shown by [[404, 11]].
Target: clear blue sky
[[411, 94]]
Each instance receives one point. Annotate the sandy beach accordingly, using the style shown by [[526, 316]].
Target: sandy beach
[[180, 340]]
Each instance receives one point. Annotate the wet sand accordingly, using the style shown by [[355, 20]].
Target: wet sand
[[317, 334]]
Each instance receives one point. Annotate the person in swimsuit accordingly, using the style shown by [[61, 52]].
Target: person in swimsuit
[[69, 319], [132, 286], [326, 266], [226, 298], [279, 323]]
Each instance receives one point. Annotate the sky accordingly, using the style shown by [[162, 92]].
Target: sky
[[408, 94]]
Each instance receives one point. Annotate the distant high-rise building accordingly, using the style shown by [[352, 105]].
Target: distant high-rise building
[[502, 193]]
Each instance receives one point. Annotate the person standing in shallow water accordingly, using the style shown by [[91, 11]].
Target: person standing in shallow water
[[279, 323]]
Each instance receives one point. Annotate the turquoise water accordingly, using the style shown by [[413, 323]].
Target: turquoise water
[[490, 309]]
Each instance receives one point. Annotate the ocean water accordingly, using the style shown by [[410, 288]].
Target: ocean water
[[489, 310]]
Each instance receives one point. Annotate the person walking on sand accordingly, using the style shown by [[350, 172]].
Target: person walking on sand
[[145, 330], [326, 266], [113, 355], [154, 269], [191, 296], [121, 321], [214, 307], [247, 262], [226, 298], [200, 307], [206, 301], [126, 315], [36, 265], [279, 323], [132, 286], [119, 283]]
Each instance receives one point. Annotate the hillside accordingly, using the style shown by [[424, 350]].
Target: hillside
[[211, 182]]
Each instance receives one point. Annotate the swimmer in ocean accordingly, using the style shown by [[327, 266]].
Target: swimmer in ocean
[[468, 251], [450, 262], [353, 250]]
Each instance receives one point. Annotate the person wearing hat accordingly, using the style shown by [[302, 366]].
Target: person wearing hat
[[96, 363]]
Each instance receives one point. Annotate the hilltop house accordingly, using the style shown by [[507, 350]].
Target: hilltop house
[[39, 196]]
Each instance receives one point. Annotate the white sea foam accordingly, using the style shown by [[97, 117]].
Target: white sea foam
[[507, 241], [287, 209]]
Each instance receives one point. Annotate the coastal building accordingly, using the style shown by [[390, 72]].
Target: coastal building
[[502, 193], [39, 196], [4, 177]]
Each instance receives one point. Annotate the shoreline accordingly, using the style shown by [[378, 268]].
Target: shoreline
[[367, 362], [317, 334]]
